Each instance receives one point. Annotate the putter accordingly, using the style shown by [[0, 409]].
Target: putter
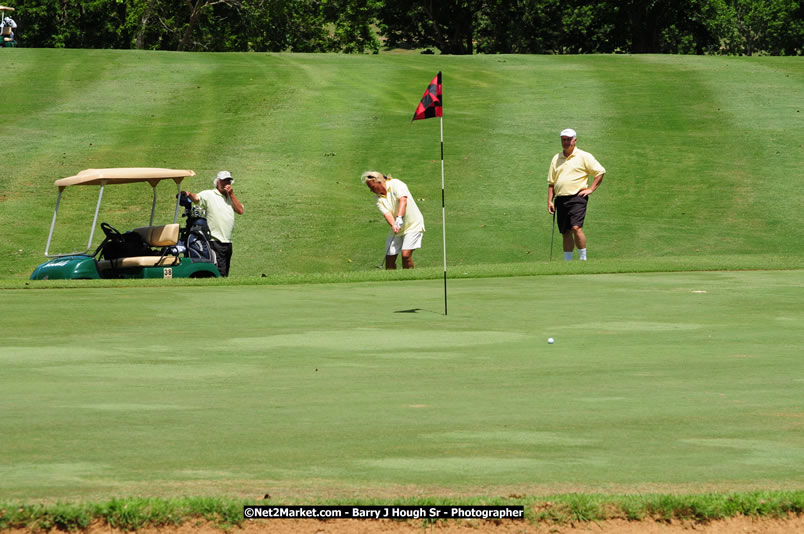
[[552, 234]]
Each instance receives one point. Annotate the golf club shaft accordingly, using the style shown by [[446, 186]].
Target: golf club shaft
[[553, 234], [385, 256]]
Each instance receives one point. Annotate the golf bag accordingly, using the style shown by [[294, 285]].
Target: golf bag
[[7, 27], [195, 235], [124, 245]]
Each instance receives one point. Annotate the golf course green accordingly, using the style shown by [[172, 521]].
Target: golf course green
[[313, 376], [663, 382]]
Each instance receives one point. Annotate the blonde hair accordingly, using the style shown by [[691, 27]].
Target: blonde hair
[[373, 176]]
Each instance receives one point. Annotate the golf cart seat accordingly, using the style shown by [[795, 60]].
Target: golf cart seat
[[166, 235], [155, 236]]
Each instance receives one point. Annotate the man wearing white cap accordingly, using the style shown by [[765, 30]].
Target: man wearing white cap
[[568, 191], [220, 205]]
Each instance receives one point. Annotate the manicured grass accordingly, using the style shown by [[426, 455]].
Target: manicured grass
[[698, 263], [702, 153], [659, 382], [660, 388]]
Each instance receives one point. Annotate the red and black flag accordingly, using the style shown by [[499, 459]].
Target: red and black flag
[[431, 103]]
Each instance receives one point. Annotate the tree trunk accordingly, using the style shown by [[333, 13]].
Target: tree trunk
[[441, 43], [470, 44], [146, 16], [457, 37], [195, 11]]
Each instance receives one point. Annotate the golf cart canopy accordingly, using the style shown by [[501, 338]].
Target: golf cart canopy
[[116, 176], [125, 175]]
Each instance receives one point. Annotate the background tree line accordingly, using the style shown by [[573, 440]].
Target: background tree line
[[450, 26]]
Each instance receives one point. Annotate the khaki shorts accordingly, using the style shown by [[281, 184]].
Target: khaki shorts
[[396, 243]]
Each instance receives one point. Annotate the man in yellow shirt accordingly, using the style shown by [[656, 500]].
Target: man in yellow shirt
[[220, 205], [401, 213], [568, 191]]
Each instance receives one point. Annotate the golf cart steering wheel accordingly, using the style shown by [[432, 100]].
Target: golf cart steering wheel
[[109, 230]]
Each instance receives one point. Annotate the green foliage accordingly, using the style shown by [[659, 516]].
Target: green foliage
[[526, 26], [353, 21], [243, 25], [448, 25], [452, 26], [73, 23], [262, 26], [131, 514], [589, 27], [126, 514], [750, 26]]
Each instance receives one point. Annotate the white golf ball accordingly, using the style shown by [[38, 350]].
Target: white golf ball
[[551, 340]]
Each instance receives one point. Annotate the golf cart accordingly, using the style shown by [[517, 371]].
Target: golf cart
[[7, 31], [162, 251]]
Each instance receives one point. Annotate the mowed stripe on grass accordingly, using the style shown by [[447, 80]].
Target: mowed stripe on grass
[[702, 153], [686, 381]]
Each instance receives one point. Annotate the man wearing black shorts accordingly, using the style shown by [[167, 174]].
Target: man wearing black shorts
[[220, 205], [568, 191]]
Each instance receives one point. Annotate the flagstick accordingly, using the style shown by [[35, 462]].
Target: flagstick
[[429, 107], [443, 217]]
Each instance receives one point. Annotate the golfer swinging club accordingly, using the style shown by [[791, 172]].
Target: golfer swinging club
[[402, 214], [568, 185]]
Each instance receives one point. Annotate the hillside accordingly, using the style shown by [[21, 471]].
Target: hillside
[[702, 153]]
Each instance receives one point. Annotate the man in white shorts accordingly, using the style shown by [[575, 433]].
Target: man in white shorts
[[401, 213]]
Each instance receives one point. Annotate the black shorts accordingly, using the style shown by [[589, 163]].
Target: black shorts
[[223, 256], [570, 211]]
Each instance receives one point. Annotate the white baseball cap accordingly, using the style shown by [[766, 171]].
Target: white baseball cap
[[223, 175], [569, 132]]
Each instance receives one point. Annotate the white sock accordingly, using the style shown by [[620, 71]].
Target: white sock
[[582, 254], [568, 256]]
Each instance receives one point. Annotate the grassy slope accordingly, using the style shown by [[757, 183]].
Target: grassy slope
[[701, 152]]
